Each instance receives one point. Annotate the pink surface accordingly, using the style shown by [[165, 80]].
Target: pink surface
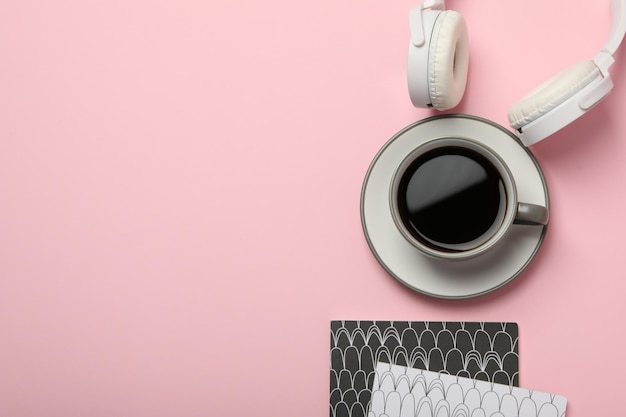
[[179, 201]]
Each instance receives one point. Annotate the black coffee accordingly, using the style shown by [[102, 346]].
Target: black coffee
[[451, 198]]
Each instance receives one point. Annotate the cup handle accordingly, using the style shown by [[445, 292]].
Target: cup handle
[[531, 214]]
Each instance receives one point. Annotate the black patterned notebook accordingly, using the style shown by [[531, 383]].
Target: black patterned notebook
[[483, 351]]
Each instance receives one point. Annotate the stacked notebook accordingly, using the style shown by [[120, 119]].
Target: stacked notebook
[[430, 369]]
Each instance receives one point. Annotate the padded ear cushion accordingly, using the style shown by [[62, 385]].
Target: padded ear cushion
[[552, 93], [448, 60]]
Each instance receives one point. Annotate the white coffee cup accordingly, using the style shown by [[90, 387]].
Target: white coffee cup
[[454, 198]]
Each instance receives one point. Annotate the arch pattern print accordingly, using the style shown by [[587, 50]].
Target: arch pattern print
[[479, 350], [398, 391]]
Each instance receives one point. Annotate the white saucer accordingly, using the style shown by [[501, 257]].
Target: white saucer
[[451, 279]]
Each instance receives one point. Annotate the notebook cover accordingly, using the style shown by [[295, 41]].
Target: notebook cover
[[480, 350], [399, 391]]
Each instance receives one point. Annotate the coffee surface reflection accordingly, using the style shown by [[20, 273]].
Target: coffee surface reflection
[[451, 198]]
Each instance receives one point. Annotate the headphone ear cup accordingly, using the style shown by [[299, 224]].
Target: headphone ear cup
[[552, 93], [448, 60]]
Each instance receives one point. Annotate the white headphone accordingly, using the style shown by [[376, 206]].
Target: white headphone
[[438, 62]]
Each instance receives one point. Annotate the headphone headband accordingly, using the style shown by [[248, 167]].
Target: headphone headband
[[618, 26], [416, 20]]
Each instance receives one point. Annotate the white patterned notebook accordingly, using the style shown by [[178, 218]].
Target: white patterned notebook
[[399, 391]]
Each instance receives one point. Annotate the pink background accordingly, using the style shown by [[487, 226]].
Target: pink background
[[179, 201]]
